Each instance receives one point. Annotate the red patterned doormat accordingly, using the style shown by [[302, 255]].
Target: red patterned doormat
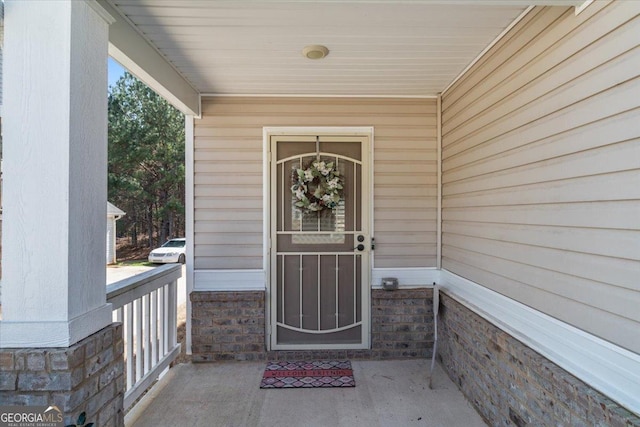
[[334, 373]]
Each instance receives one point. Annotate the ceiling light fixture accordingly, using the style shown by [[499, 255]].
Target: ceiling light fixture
[[315, 51]]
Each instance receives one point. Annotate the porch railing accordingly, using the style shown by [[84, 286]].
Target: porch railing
[[146, 304]]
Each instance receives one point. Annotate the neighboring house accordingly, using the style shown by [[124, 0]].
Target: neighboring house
[[509, 180], [113, 214]]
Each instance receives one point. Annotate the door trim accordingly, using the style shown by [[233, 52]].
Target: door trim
[[268, 132]]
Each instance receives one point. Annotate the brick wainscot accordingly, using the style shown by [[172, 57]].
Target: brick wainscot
[[509, 384], [231, 326], [86, 377]]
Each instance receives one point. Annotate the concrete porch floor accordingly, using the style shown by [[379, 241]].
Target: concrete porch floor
[[387, 393]]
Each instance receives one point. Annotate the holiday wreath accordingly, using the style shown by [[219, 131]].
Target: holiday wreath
[[317, 187]]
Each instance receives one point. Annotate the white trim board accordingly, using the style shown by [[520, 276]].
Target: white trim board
[[407, 277], [313, 130], [606, 367], [254, 280], [583, 6], [311, 95], [131, 48], [189, 216], [54, 333], [93, 4], [229, 280], [439, 172]]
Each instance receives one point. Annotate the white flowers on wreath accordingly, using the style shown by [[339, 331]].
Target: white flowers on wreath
[[317, 187]]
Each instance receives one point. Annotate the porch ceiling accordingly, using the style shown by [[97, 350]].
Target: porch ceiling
[[377, 48]]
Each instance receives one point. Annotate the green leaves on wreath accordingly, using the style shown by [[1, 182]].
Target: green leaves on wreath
[[317, 187]]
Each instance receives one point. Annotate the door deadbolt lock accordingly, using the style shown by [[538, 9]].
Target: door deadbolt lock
[[361, 238]]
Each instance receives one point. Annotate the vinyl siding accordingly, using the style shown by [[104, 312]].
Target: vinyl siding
[[228, 174], [541, 168]]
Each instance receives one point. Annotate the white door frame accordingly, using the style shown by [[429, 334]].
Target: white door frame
[[268, 132]]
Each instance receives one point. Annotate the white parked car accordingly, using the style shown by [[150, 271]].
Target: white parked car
[[172, 251]]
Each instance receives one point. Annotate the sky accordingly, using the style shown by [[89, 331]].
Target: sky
[[115, 71]]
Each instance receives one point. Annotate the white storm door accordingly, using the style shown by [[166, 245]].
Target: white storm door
[[320, 260]]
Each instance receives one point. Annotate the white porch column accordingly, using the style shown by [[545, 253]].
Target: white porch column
[[55, 173]]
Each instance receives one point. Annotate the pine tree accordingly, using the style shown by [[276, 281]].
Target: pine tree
[[146, 162]]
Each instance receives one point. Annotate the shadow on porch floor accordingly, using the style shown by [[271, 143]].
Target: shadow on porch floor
[[387, 393]]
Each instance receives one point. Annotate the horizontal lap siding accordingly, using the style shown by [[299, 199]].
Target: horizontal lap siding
[[228, 174], [541, 168]]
